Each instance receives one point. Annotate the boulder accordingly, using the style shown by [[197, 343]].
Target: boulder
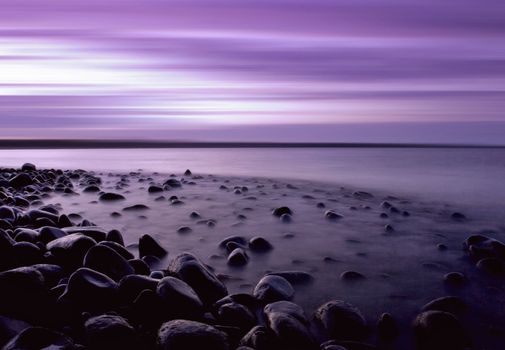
[[184, 335], [341, 320], [106, 260], [273, 288]]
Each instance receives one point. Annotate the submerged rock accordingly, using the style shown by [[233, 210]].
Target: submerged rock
[[281, 211], [273, 288], [110, 196]]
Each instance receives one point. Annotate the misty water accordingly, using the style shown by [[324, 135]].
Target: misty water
[[465, 176]]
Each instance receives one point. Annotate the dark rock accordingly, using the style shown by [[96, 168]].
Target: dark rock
[[458, 216], [39, 338], [281, 211], [172, 183], [331, 215], [107, 261], [184, 229], [184, 335], [240, 240], [51, 273], [69, 251], [118, 248], [451, 304], [480, 246], [294, 277], [110, 196], [187, 172], [259, 244], [157, 274], [48, 234], [106, 332], [9, 328], [115, 236], [132, 285], [286, 218], [386, 326], [21, 180], [341, 320], [149, 246], [91, 189], [28, 167], [493, 266], [455, 279], [26, 254], [235, 314], [438, 330], [136, 207], [155, 189], [260, 338], [362, 195], [179, 299], [89, 290], [140, 267], [206, 285], [273, 288], [238, 257], [195, 215], [352, 276]]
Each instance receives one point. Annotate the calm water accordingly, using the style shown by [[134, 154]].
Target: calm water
[[473, 177]]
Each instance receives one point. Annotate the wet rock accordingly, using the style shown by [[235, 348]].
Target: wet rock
[[286, 218], [259, 244], [140, 267], [115, 236], [9, 328], [184, 229], [362, 195], [118, 248], [341, 320], [89, 290], [179, 299], [492, 266], [184, 335], [351, 276], [48, 234], [458, 216], [155, 189], [149, 246], [480, 246], [106, 332], [240, 240], [294, 277], [187, 172], [21, 180], [51, 273], [235, 314], [136, 207], [91, 189], [238, 257], [203, 281], [347, 345], [281, 211], [103, 259], [289, 324], [110, 196], [28, 167], [455, 279], [39, 338], [386, 326], [273, 288], [260, 338], [172, 183], [69, 251], [438, 330], [331, 215], [195, 215], [388, 228], [23, 294], [26, 254], [451, 304]]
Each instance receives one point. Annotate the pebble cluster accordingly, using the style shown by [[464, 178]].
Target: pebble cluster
[[76, 286]]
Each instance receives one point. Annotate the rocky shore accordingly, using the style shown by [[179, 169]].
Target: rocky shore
[[110, 276]]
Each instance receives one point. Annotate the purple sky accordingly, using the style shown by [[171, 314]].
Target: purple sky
[[265, 70]]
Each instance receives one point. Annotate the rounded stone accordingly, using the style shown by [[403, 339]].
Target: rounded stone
[[184, 335]]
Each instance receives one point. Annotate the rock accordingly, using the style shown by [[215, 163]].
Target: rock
[[140, 267], [106, 332], [458, 216], [118, 248], [155, 189], [341, 320], [386, 326], [69, 251], [240, 240], [438, 330], [28, 167], [455, 279], [331, 215], [235, 314], [195, 215], [451, 304], [362, 195], [281, 211], [136, 207], [260, 338], [238, 257], [187, 172], [39, 338], [286, 218], [492, 266], [107, 261], [346, 345], [24, 294], [294, 277], [289, 324], [480, 246], [51, 273], [91, 189], [351, 276], [131, 286], [273, 288], [259, 244], [157, 274], [206, 285], [179, 299], [48, 234], [149, 246], [115, 236], [9, 328], [89, 230], [21, 180], [89, 290], [110, 196], [172, 183], [184, 335], [184, 229], [26, 254]]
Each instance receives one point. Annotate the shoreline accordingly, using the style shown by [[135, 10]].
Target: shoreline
[[323, 243]]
